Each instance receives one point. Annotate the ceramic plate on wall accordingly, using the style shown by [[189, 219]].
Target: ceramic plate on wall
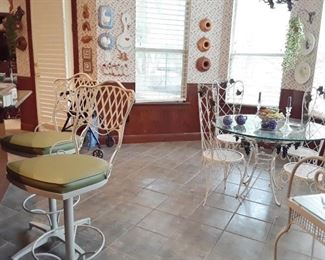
[[106, 41], [308, 44], [302, 72]]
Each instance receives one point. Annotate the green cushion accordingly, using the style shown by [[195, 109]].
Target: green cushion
[[58, 173], [37, 143]]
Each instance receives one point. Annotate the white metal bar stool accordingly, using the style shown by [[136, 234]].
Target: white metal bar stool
[[48, 139], [65, 176]]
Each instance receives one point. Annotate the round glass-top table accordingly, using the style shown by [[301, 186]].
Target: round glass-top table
[[284, 134], [296, 132]]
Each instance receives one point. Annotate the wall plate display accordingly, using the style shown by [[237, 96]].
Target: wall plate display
[[87, 66], [106, 41], [302, 72], [105, 17], [123, 42], [86, 53], [307, 44]]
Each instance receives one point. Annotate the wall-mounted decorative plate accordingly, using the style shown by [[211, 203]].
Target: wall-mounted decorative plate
[[307, 44], [105, 17], [106, 41], [302, 72]]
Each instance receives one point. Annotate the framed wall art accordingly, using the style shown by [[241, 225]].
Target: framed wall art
[[87, 66], [105, 17], [86, 53]]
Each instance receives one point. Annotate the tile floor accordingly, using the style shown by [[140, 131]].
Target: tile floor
[[152, 209]]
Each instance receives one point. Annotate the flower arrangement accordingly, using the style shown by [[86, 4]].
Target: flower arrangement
[[294, 36]]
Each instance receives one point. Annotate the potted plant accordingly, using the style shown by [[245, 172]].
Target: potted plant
[[294, 36]]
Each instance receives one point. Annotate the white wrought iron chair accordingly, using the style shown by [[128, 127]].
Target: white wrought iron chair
[[212, 153], [48, 139], [307, 211], [65, 176], [306, 172], [313, 100], [229, 98]]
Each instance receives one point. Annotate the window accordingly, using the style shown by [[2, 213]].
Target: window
[[257, 49], [161, 28], [319, 75]]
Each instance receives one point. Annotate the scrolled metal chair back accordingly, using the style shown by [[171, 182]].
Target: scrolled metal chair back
[[230, 95], [207, 101], [319, 174], [65, 90], [310, 114]]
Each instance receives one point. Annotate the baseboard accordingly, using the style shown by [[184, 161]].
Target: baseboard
[[161, 137]]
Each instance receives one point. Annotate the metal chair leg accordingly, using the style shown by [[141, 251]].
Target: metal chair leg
[[69, 229], [283, 231]]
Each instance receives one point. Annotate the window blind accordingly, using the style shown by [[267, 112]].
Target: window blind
[[161, 49], [257, 49]]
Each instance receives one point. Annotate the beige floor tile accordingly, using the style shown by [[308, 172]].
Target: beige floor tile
[[149, 198], [162, 223], [181, 204], [234, 247], [221, 201], [113, 254], [140, 243], [260, 196], [261, 211], [164, 186], [194, 243], [249, 227], [211, 216]]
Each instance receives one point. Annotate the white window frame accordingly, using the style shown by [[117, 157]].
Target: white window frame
[[183, 51], [234, 54]]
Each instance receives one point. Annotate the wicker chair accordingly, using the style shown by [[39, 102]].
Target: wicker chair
[[307, 211], [212, 153]]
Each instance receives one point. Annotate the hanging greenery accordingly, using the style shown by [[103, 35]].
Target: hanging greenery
[[11, 35], [294, 37]]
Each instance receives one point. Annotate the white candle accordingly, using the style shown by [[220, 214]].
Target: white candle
[[289, 101]]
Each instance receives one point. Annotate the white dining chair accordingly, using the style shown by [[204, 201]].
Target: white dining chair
[[213, 154], [229, 99]]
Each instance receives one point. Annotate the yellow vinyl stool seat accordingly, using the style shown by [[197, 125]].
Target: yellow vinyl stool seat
[[38, 143], [58, 173]]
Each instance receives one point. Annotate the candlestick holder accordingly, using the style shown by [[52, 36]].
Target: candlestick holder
[[286, 127]]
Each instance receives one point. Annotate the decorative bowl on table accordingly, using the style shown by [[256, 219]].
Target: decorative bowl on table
[[240, 119], [271, 118], [227, 120]]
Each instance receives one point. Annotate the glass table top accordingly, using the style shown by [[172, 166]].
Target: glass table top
[[252, 129]]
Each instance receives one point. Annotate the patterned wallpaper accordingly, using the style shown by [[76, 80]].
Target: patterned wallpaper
[[92, 44], [218, 11], [22, 57], [301, 10]]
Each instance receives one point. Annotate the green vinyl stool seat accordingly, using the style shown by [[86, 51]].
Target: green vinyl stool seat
[[58, 173], [38, 143]]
